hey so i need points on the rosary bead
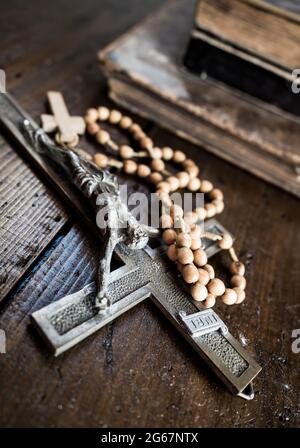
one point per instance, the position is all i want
(226, 242)
(184, 240)
(155, 178)
(101, 160)
(172, 252)
(102, 137)
(206, 186)
(164, 186)
(143, 171)
(166, 222)
(194, 184)
(126, 152)
(196, 243)
(164, 197)
(183, 178)
(115, 116)
(192, 171)
(210, 210)
(179, 157)
(173, 182)
(91, 115)
(176, 211)
(229, 297)
(217, 194)
(135, 128)
(157, 165)
(237, 267)
(169, 236)
(146, 143)
(191, 218)
(216, 287)
(103, 113)
(199, 292)
(190, 273)
(185, 255)
(125, 122)
(195, 231)
(92, 128)
(203, 276)
(167, 153)
(156, 153)
(219, 205)
(200, 257)
(211, 272)
(201, 213)
(241, 295)
(238, 281)
(130, 167)
(210, 301)
(188, 162)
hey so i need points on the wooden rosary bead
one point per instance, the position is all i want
(157, 165)
(185, 255)
(172, 252)
(194, 184)
(91, 115)
(192, 171)
(143, 171)
(190, 273)
(216, 194)
(146, 143)
(210, 210)
(169, 236)
(155, 178)
(102, 137)
(125, 122)
(164, 197)
(93, 128)
(183, 178)
(216, 287)
(103, 113)
(126, 152)
(156, 153)
(183, 240)
(226, 242)
(176, 211)
(180, 267)
(229, 297)
(188, 162)
(238, 281)
(241, 295)
(101, 160)
(200, 257)
(204, 277)
(210, 301)
(173, 182)
(219, 205)
(166, 221)
(196, 244)
(237, 268)
(195, 231)
(115, 116)
(201, 213)
(211, 272)
(199, 292)
(164, 186)
(179, 157)
(135, 128)
(130, 167)
(167, 153)
(191, 218)
(206, 186)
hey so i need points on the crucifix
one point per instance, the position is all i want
(145, 274)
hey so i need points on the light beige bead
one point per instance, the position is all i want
(238, 281)
(195, 231)
(115, 116)
(184, 240)
(164, 186)
(126, 152)
(176, 211)
(210, 301)
(172, 252)
(203, 276)
(200, 258)
(190, 273)
(199, 292)
(139, 135)
(194, 184)
(196, 243)
(219, 206)
(241, 295)
(174, 183)
(206, 186)
(102, 137)
(156, 153)
(216, 194)
(183, 178)
(229, 297)
(193, 171)
(135, 128)
(201, 213)
(146, 143)
(157, 165)
(101, 160)
(237, 267)
(143, 171)
(103, 113)
(226, 242)
(92, 115)
(191, 218)
(216, 287)
(155, 178)
(179, 157)
(169, 236)
(166, 222)
(210, 271)
(164, 197)
(93, 128)
(167, 153)
(210, 210)
(188, 162)
(185, 255)
(130, 167)
(125, 122)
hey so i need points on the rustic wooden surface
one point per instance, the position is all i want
(137, 371)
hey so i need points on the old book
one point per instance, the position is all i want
(146, 75)
(264, 32)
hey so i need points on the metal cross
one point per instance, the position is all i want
(145, 273)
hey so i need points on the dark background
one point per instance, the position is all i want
(137, 371)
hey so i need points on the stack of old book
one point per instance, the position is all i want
(220, 73)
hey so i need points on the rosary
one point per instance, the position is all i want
(180, 232)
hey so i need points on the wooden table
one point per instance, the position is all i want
(137, 371)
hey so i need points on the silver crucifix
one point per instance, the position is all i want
(145, 273)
